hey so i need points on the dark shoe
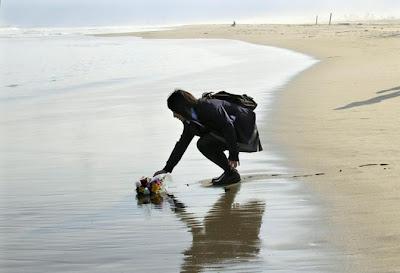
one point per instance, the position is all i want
(217, 179)
(228, 177)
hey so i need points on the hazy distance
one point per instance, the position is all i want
(64, 13)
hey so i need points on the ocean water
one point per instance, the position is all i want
(83, 117)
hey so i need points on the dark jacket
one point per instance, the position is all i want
(231, 123)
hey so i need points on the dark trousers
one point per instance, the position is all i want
(213, 149)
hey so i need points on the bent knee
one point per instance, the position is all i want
(201, 144)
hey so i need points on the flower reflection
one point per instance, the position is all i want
(155, 199)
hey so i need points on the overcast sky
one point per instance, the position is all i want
(145, 12)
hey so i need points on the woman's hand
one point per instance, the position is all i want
(159, 172)
(233, 164)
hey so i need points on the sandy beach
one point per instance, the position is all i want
(77, 135)
(339, 118)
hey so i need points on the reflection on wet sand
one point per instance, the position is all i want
(229, 232)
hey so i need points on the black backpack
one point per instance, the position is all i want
(241, 100)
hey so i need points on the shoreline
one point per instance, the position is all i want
(80, 156)
(339, 117)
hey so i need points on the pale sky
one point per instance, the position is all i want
(155, 12)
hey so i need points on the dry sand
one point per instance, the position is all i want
(334, 118)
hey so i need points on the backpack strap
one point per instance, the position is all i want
(242, 100)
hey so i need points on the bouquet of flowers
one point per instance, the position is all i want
(150, 186)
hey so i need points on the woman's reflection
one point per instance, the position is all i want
(229, 231)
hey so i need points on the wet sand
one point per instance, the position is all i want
(259, 225)
(70, 158)
(340, 117)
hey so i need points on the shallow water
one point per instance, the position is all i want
(71, 150)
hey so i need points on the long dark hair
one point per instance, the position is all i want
(181, 102)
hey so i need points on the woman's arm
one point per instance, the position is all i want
(179, 149)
